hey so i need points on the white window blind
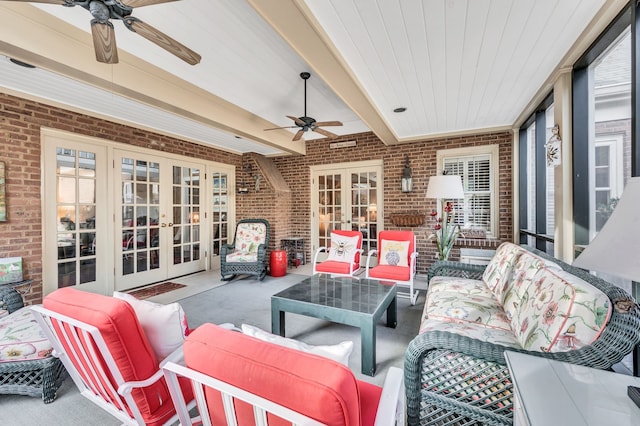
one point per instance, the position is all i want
(476, 173)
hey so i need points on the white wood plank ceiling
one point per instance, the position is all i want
(457, 66)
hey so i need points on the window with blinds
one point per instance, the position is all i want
(476, 167)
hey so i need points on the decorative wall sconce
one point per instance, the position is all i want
(244, 189)
(248, 169)
(553, 147)
(407, 178)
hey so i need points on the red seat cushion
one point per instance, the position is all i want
(390, 272)
(315, 386)
(117, 322)
(333, 267)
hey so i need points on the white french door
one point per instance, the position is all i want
(346, 196)
(158, 219)
(75, 214)
(116, 219)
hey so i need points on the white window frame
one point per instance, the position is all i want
(462, 154)
(616, 180)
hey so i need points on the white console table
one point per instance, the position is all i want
(550, 392)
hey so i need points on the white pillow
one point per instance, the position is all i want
(339, 352)
(342, 248)
(394, 253)
(164, 325)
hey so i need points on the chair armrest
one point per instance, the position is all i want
(391, 405)
(373, 252)
(127, 387)
(10, 299)
(455, 269)
(320, 250)
(177, 357)
(226, 248)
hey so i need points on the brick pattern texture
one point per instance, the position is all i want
(287, 210)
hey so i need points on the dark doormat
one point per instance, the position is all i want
(156, 289)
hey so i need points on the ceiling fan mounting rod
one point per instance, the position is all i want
(305, 76)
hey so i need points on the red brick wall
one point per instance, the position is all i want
(422, 156)
(20, 123)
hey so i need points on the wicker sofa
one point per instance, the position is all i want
(524, 300)
(33, 377)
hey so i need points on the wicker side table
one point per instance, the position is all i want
(38, 377)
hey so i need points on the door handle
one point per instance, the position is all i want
(163, 225)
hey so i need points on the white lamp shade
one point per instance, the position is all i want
(615, 250)
(445, 186)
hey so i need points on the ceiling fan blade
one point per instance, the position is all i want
(104, 42)
(325, 132)
(43, 1)
(328, 123)
(286, 127)
(140, 3)
(297, 120)
(161, 39)
(298, 135)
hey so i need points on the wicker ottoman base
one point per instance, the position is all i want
(41, 377)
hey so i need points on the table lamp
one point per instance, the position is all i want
(445, 187)
(615, 250)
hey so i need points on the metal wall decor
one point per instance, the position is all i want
(553, 147)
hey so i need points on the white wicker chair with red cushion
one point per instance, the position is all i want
(344, 254)
(106, 352)
(257, 382)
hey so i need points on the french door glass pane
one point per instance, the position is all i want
(140, 215)
(364, 207)
(186, 214)
(76, 216)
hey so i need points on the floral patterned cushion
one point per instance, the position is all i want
(464, 301)
(471, 330)
(558, 312)
(21, 338)
(249, 235)
(526, 267)
(498, 271)
(240, 256)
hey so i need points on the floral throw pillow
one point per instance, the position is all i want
(394, 253)
(343, 249)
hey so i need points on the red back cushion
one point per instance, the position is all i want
(117, 322)
(310, 384)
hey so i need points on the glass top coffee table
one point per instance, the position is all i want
(344, 300)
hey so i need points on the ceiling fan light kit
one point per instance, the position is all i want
(103, 33)
(306, 123)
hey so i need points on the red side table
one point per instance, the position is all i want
(278, 263)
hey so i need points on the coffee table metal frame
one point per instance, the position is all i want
(333, 304)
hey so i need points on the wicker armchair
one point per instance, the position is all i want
(456, 380)
(39, 377)
(248, 252)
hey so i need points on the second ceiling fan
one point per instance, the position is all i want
(308, 123)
